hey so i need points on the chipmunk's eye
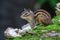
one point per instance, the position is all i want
(27, 14)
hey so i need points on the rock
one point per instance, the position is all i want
(51, 34)
(11, 32)
(58, 34)
(27, 28)
(21, 32)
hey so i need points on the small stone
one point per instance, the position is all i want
(44, 30)
(58, 20)
(53, 31)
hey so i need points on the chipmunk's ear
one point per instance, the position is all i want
(30, 11)
(25, 10)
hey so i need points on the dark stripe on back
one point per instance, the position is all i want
(43, 12)
(39, 14)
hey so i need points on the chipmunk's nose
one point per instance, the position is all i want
(21, 16)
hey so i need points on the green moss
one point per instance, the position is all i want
(37, 32)
(55, 20)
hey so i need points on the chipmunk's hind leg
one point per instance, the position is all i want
(46, 24)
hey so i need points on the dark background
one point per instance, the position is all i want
(10, 13)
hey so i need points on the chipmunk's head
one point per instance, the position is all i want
(26, 14)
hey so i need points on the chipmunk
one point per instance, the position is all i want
(33, 18)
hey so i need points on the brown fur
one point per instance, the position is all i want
(46, 17)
